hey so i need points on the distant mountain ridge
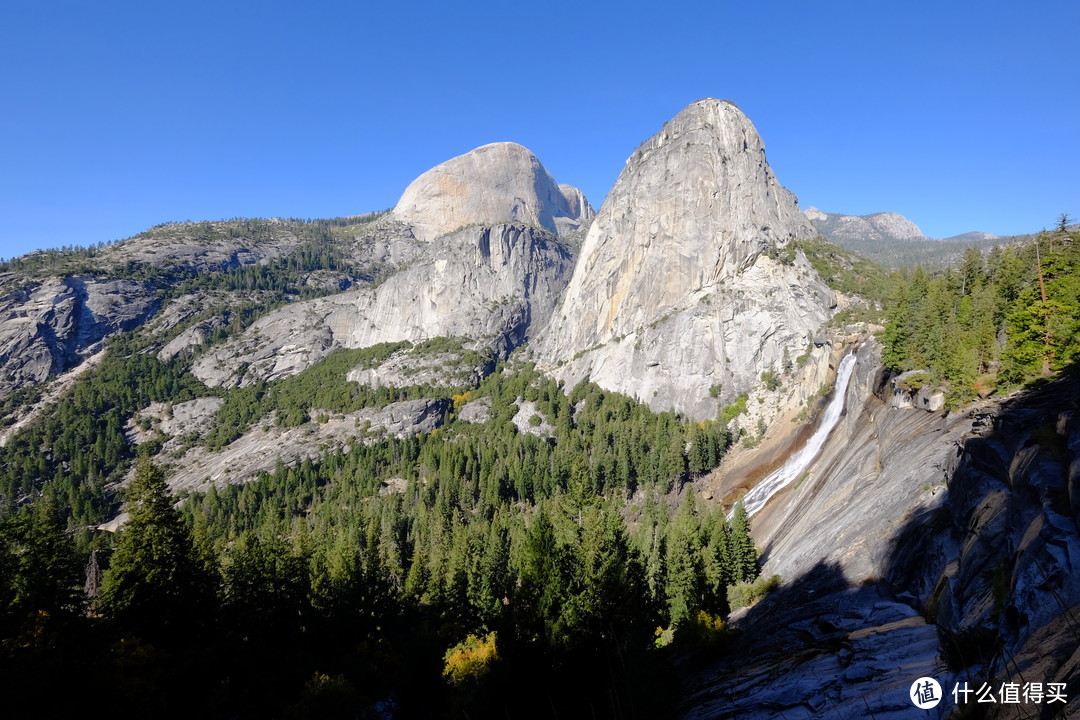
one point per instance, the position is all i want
(970, 237)
(878, 226)
(890, 239)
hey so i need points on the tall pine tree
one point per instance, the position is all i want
(155, 585)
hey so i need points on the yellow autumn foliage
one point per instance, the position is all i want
(470, 659)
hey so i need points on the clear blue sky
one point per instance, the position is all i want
(115, 116)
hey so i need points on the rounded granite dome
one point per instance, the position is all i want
(498, 183)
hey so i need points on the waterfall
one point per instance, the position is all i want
(757, 497)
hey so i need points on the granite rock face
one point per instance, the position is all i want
(911, 532)
(500, 183)
(477, 411)
(489, 266)
(908, 390)
(48, 326)
(685, 280)
(264, 446)
(172, 422)
(883, 226)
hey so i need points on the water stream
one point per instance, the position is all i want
(799, 461)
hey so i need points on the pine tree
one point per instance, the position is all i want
(154, 584)
(47, 571)
(685, 574)
(744, 556)
(266, 586)
(542, 586)
(610, 576)
(489, 584)
(686, 583)
(716, 560)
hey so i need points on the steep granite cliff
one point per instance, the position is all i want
(49, 325)
(686, 280)
(919, 544)
(494, 184)
(487, 265)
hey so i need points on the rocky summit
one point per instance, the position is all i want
(494, 184)
(892, 240)
(882, 226)
(478, 256)
(688, 279)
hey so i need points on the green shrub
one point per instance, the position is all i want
(732, 411)
(745, 594)
(801, 360)
(913, 382)
(771, 379)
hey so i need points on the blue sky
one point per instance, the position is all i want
(115, 116)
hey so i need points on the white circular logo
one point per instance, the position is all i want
(925, 693)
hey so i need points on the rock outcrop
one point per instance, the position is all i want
(500, 183)
(438, 369)
(173, 423)
(48, 326)
(477, 411)
(913, 389)
(855, 231)
(878, 227)
(919, 544)
(491, 269)
(264, 446)
(686, 280)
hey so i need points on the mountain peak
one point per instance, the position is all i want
(718, 124)
(708, 110)
(672, 257)
(877, 227)
(696, 202)
(502, 182)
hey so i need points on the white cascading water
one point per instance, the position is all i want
(759, 495)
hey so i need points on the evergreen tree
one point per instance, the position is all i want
(154, 584)
(610, 578)
(685, 567)
(716, 560)
(542, 585)
(266, 585)
(685, 574)
(46, 572)
(744, 557)
(489, 585)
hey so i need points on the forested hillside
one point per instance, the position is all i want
(992, 323)
(541, 540)
(422, 574)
